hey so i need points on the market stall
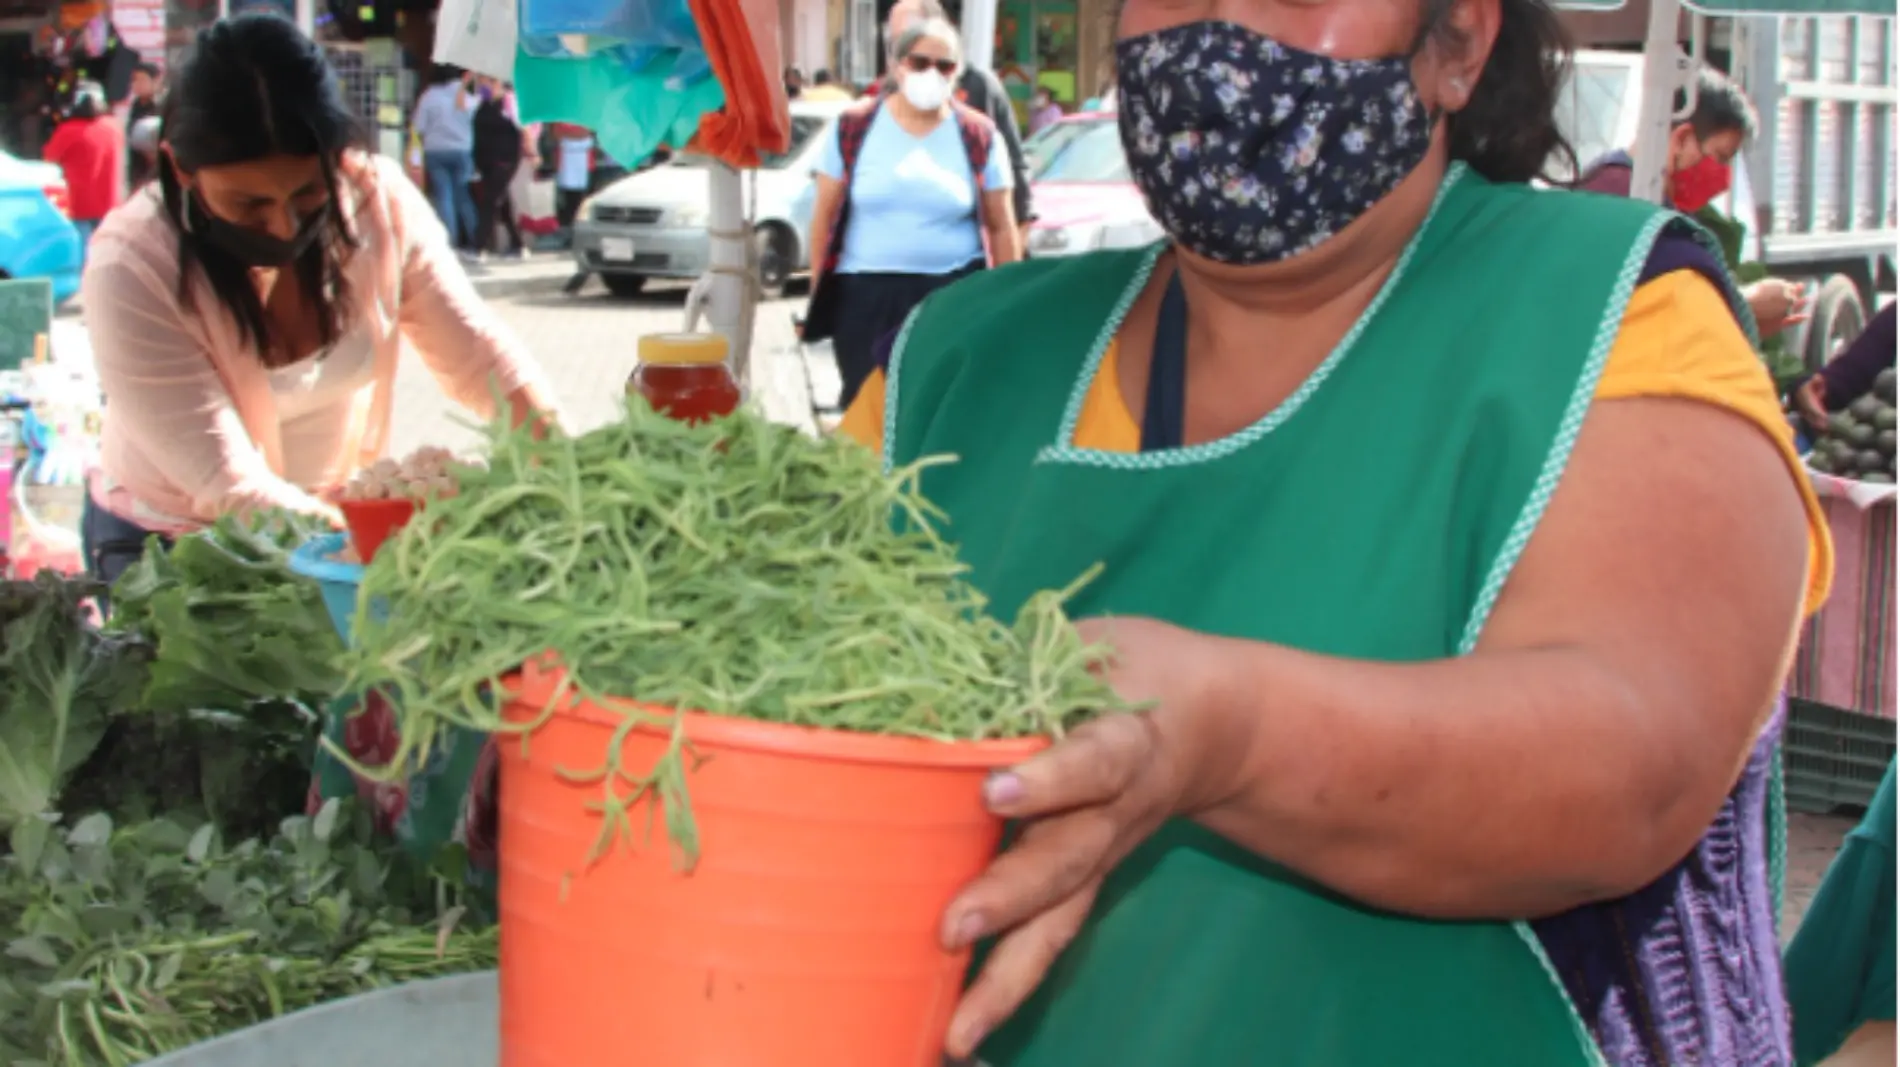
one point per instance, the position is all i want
(189, 875)
(1841, 727)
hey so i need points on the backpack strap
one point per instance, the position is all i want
(979, 137)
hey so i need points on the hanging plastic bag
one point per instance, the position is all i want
(478, 35)
(606, 21)
(741, 40)
(631, 112)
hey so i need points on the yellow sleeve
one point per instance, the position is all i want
(863, 421)
(1679, 339)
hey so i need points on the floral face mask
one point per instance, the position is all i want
(1249, 151)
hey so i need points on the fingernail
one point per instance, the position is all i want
(968, 929)
(971, 1035)
(1002, 789)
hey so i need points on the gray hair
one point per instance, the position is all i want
(936, 29)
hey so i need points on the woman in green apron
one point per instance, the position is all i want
(1451, 530)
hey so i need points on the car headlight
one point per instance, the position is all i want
(687, 217)
(586, 210)
(1065, 240)
(1048, 240)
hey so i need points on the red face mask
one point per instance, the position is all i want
(1695, 185)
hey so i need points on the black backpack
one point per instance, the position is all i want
(497, 138)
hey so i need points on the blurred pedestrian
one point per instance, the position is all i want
(498, 149)
(445, 121)
(144, 106)
(89, 148)
(824, 89)
(1043, 110)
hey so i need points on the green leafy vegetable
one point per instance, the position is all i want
(736, 567)
(126, 943)
(61, 681)
(232, 623)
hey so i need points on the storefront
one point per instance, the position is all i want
(1066, 45)
(1041, 42)
(47, 49)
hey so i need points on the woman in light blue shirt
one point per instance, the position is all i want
(445, 123)
(913, 193)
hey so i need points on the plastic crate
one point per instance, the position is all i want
(1832, 758)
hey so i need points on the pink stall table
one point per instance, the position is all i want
(1846, 657)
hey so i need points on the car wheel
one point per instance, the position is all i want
(773, 246)
(624, 285)
(1837, 319)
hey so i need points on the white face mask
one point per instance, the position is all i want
(926, 90)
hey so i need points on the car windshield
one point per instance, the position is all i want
(1092, 154)
(804, 128)
(1046, 142)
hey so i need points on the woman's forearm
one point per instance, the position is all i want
(1006, 244)
(1499, 785)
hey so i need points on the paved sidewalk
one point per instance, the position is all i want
(499, 279)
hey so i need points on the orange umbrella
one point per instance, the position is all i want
(741, 40)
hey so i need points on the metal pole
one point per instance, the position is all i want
(1661, 77)
(731, 282)
(979, 33)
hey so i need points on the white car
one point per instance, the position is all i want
(653, 224)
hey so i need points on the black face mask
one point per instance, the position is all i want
(253, 248)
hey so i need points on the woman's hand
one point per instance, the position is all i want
(1088, 801)
(1810, 399)
(1777, 304)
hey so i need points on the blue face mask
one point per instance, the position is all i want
(1249, 151)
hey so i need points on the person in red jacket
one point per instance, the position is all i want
(89, 148)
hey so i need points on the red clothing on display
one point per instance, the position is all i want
(91, 153)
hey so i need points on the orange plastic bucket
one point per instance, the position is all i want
(371, 522)
(805, 936)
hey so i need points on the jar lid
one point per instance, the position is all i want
(693, 349)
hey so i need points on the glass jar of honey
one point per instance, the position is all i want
(684, 376)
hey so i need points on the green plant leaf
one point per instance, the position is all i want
(199, 849)
(324, 826)
(93, 831)
(28, 840)
(34, 950)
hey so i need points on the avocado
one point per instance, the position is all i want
(1819, 460)
(1883, 385)
(1860, 435)
(1884, 418)
(1883, 444)
(1870, 461)
(1864, 409)
(1841, 453)
(1878, 478)
(1839, 423)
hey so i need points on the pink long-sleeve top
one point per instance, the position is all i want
(192, 427)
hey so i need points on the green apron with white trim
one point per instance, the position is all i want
(1376, 514)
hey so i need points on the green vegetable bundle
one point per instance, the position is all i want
(61, 683)
(129, 943)
(737, 567)
(231, 621)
